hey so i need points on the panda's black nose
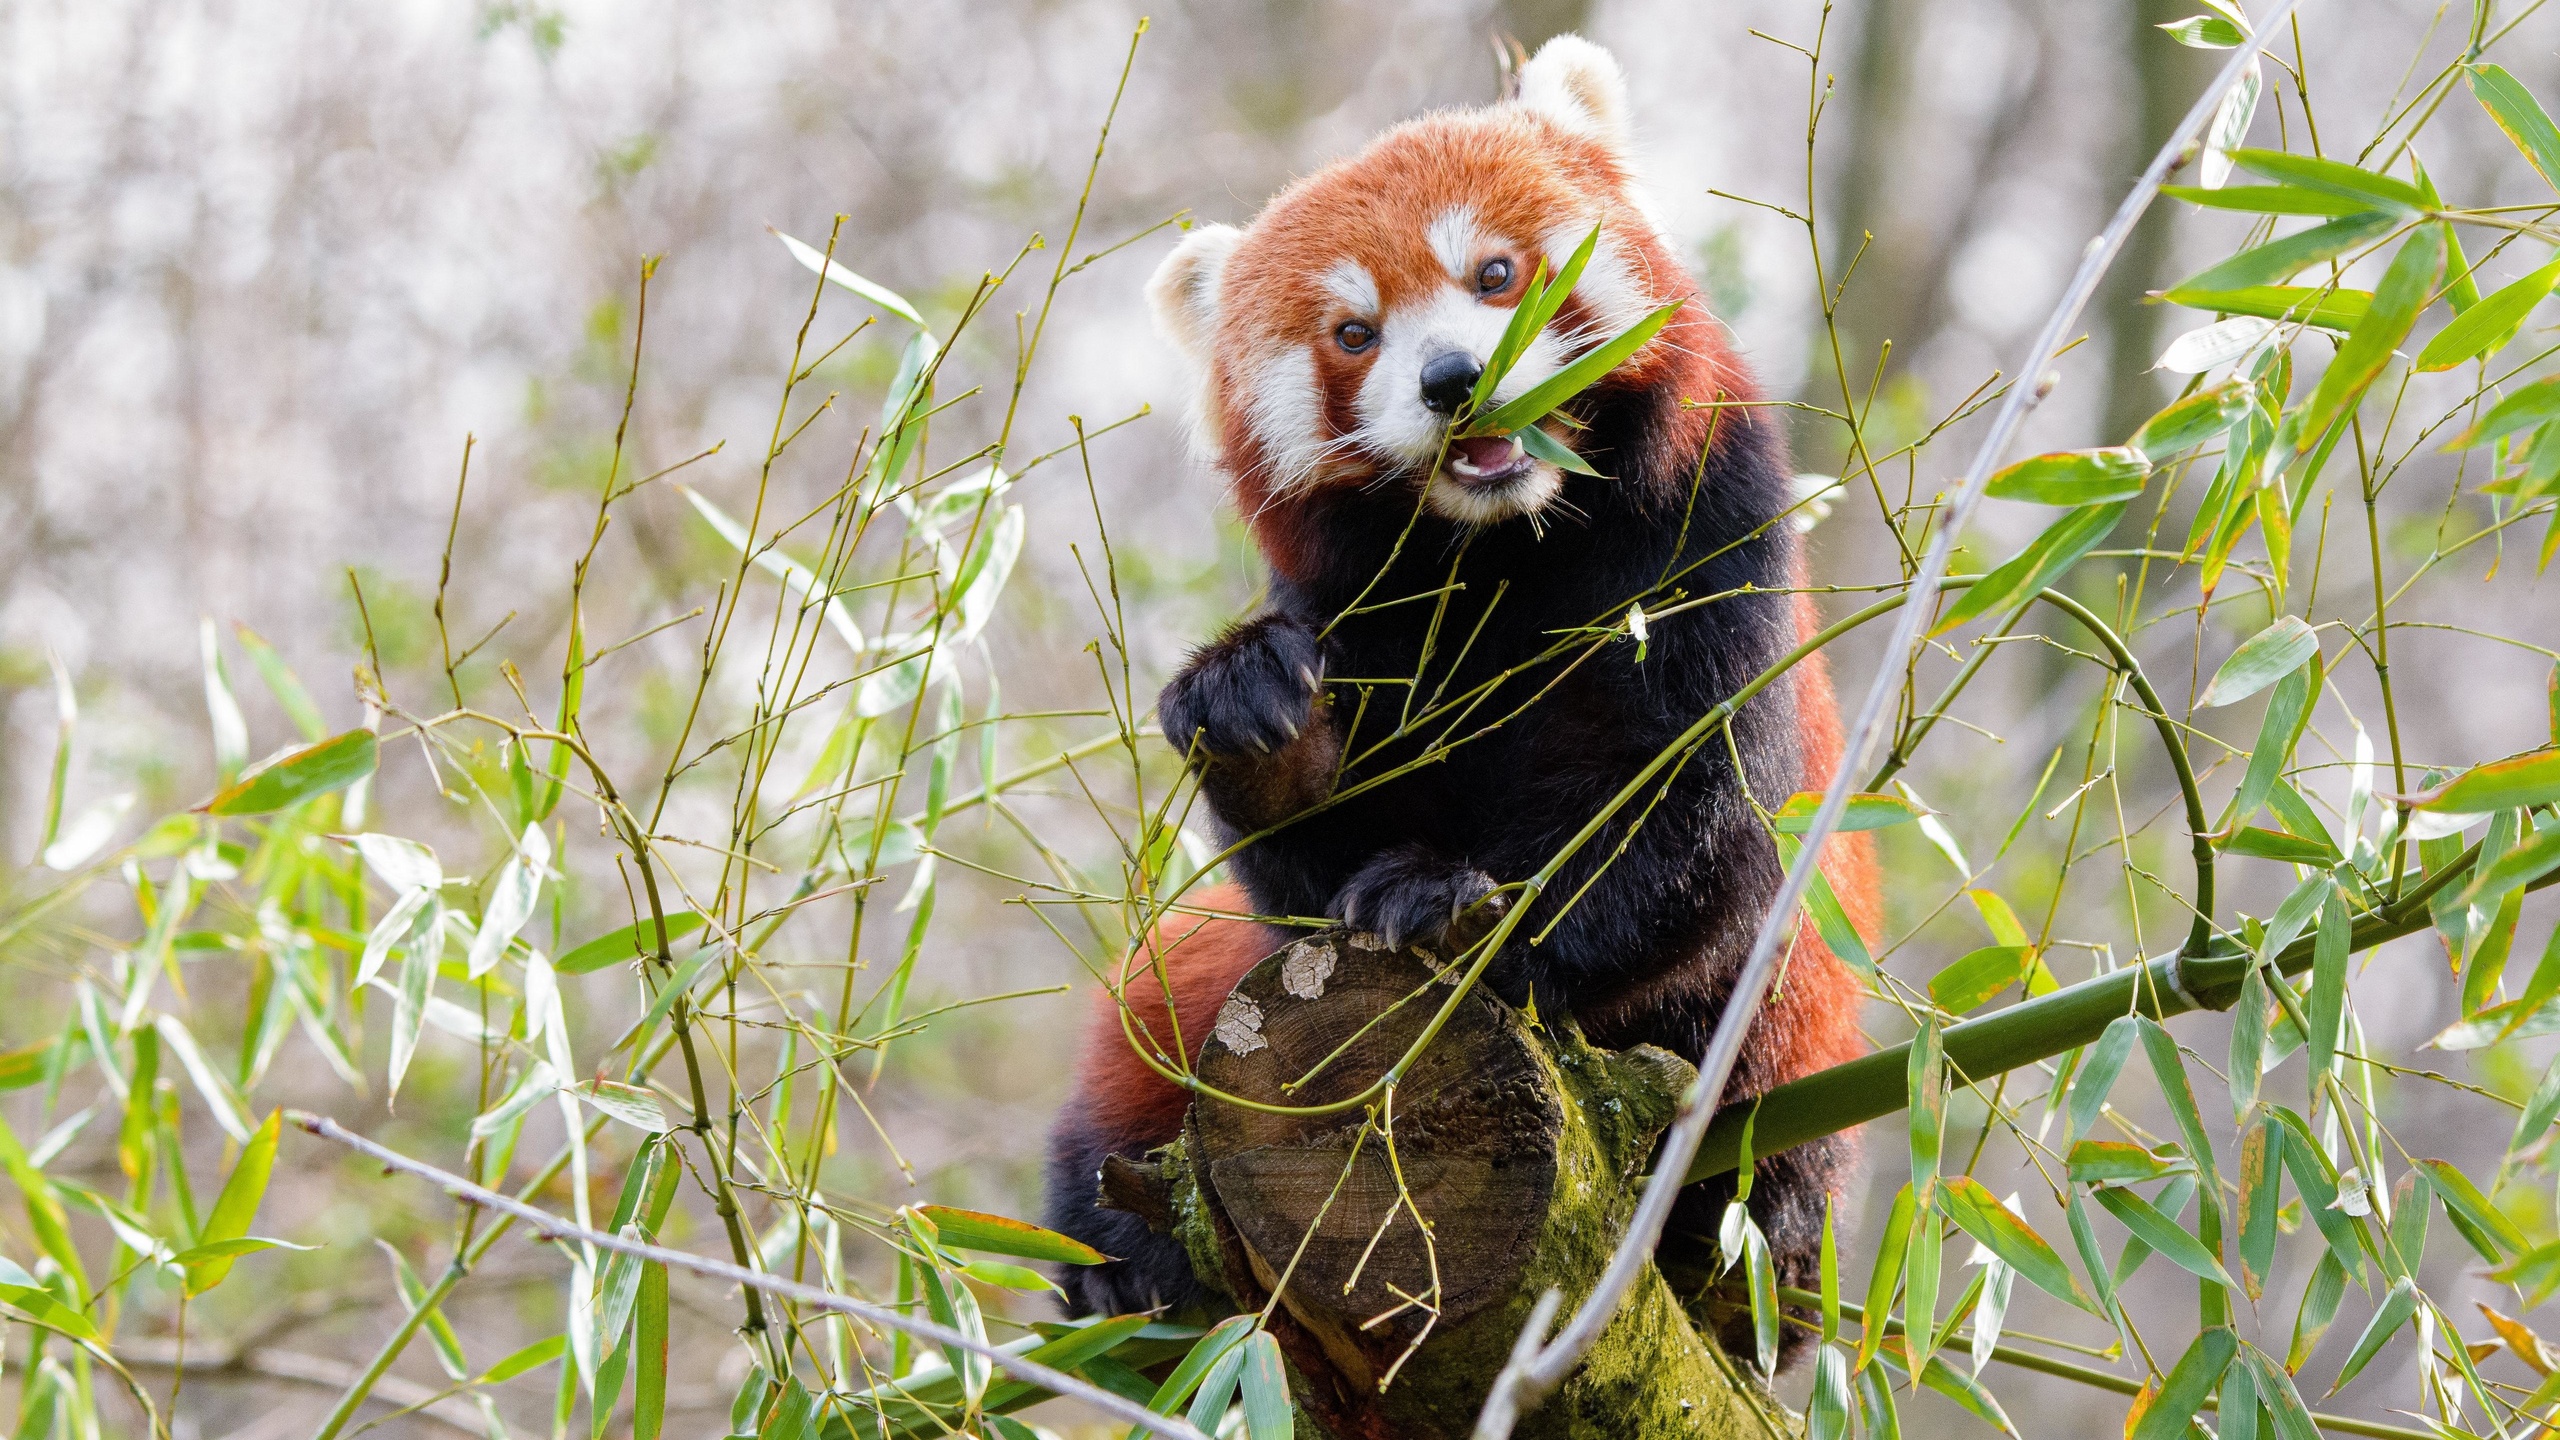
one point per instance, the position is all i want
(1447, 380)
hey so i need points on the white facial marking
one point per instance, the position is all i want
(1609, 287)
(1393, 420)
(1457, 238)
(1350, 282)
(1286, 414)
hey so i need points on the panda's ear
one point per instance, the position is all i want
(1579, 86)
(1184, 291)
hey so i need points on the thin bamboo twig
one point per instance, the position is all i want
(1055, 1381)
(1522, 1385)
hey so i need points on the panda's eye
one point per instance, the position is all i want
(1493, 276)
(1355, 336)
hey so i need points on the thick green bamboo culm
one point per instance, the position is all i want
(1876, 1085)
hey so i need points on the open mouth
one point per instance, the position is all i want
(1483, 462)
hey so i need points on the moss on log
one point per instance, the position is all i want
(1518, 1148)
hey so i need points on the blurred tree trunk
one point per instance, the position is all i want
(2163, 77)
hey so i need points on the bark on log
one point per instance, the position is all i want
(1519, 1148)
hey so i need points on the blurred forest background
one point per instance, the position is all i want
(263, 268)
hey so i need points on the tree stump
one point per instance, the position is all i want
(1408, 1240)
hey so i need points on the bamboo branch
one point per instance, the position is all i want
(1055, 1381)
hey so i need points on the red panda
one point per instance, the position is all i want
(1418, 588)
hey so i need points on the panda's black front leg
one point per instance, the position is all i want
(1248, 712)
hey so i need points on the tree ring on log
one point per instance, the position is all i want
(1474, 1135)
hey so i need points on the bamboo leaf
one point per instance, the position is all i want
(649, 1347)
(2318, 1185)
(1826, 1410)
(1205, 1353)
(2404, 290)
(2001, 1231)
(2248, 1043)
(1573, 379)
(2288, 710)
(2204, 32)
(880, 295)
(2203, 416)
(1926, 1082)
(2170, 1068)
(299, 775)
(2521, 116)
(997, 1235)
(2187, 1386)
(2334, 177)
(2279, 260)
(2040, 564)
(2328, 985)
(2207, 346)
(2464, 1202)
(2516, 868)
(1267, 1413)
(2322, 307)
(1963, 1389)
(2260, 661)
(2260, 843)
(2397, 1306)
(237, 1206)
(2261, 1191)
(2485, 328)
(2164, 1235)
(1979, 975)
(2311, 1320)
(1217, 1389)
(2119, 1162)
(621, 947)
(1892, 1251)
(2523, 408)
(2074, 477)
(2510, 784)
(2543, 1106)
(1867, 811)
(2269, 199)
(1543, 446)
(2098, 1073)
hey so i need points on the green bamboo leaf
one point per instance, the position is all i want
(282, 683)
(39, 1306)
(794, 1416)
(2536, 1272)
(2268, 199)
(2485, 328)
(953, 1305)
(2186, 1387)
(1217, 1389)
(1573, 379)
(1221, 1341)
(2074, 477)
(1543, 446)
(532, 1357)
(2238, 1415)
(2463, 1202)
(2328, 983)
(413, 1294)
(2406, 287)
(1544, 295)
(2521, 866)
(1267, 1412)
(2411, 1201)
(2524, 408)
(2280, 260)
(2397, 1306)
(2000, 1230)
(1920, 1277)
(2318, 1185)
(2260, 843)
(1867, 811)
(2511, 784)
(1826, 1410)
(1876, 1416)
(1830, 1275)
(997, 1235)
(2322, 307)
(2098, 1074)
(2261, 660)
(2288, 711)
(1926, 1082)
(2039, 565)
(2120, 1162)
(2164, 1235)
(1963, 1389)
(237, 1205)
(1892, 1250)
(2319, 1309)
(2543, 1106)
(1978, 975)
(2204, 32)
(880, 295)
(314, 770)
(2200, 417)
(2521, 116)
(2335, 177)
(621, 947)
(2261, 1190)
(1761, 1273)
(2248, 1043)
(2170, 1068)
